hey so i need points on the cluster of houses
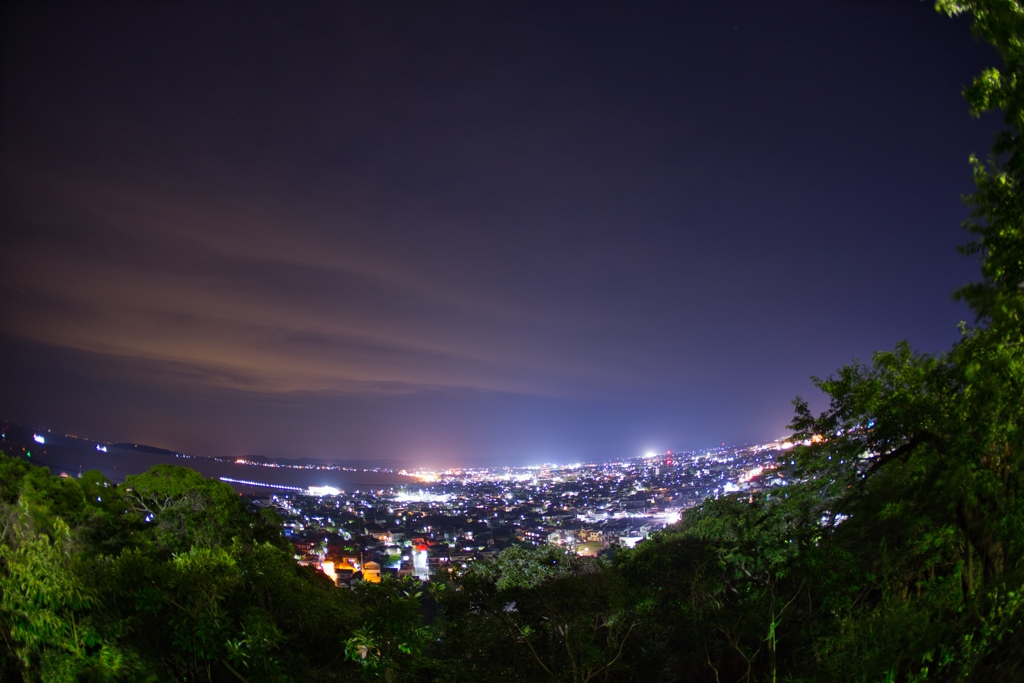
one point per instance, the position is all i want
(448, 525)
(348, 548)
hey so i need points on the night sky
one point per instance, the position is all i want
(471, 232)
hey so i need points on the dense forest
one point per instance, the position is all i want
(894, 555)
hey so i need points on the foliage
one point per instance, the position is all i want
(565, 615)
(725, 582)
(392, 636)
(46, 611)
(926, 454)
(165, 577)
(184, 508)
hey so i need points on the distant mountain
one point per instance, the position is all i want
(22, 435)
(145, 449)
(70, 454)
(390, 464)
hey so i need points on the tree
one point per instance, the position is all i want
(532, 614)
(184, 509)
(938, 442)
(392, 636)
(91, 591)
(45, 609)
(725, 583)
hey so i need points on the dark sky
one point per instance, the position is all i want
(471, 232)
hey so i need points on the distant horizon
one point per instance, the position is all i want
(393, 464)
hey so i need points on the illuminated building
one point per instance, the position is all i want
(371, 572)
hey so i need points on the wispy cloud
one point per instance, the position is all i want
(236, 297)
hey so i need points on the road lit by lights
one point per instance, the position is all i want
(262, 484)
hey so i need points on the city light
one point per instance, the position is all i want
(421, 497)
(323, 491)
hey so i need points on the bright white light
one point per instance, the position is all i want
(650, 454)
(323, 491)
(38, 438)
(422, 497)
(751, 473)
(101, 448)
